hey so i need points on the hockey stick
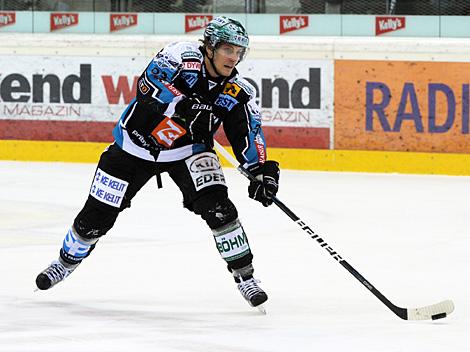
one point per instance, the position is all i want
(434, 311)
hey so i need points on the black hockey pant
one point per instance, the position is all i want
(119, 176)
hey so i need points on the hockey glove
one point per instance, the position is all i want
(266, 185)
(198, 119)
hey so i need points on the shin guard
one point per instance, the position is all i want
(76, 248)
(232, 244)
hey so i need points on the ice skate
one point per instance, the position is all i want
(53, 274)
(253, 294)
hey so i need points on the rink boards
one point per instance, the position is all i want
(347, 104)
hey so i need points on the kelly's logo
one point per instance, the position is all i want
(63, 20)
(388, 24)
(7, 18)
(195, 22)
(122, 21)
(292, 23)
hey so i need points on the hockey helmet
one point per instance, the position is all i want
(225, 30)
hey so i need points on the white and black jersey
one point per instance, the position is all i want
(176, 72)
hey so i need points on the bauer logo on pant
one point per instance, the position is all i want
(108, 189)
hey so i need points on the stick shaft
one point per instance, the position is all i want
(401, 312)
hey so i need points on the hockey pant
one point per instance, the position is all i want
(118, 178)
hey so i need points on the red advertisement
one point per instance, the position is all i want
(63, 20)
(292, 23)
(387, 24)
(7, 18)
(122, 21)
(195, 22)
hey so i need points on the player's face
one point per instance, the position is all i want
(226, 57)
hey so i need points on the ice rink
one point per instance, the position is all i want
(156, 281)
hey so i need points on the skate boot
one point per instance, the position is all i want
(248, 287)
(250, 290)
(53, 274)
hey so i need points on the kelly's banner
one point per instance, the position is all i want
(402, 106)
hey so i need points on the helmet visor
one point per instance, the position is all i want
(232, 51)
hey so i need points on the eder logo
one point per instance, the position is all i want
(63, 20)
(386, 24)
(292, 23)
(195, 22)
(167, 132)
(7, 18)
(122, 21)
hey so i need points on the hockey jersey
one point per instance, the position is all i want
(176, 72)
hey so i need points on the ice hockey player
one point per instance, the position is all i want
(186, 92)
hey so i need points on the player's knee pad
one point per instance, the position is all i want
(216, 209)
(93, 221)
(75, 248)
(232, 243)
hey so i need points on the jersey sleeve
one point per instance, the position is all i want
(155, 87)
(244, 132)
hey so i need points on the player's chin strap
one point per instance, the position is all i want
(435, 311)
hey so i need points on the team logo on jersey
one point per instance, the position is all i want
(226, 101)
(144, 89)
(231, 89)
(190, 78)
(167, 132)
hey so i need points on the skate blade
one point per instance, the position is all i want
(261, 308)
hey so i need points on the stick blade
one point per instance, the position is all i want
(436, 311)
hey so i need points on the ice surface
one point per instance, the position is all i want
(157, 283)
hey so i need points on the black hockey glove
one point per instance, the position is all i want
(266, 185)
(197, 118)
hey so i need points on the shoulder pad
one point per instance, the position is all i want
(246, 86)
(179, 51)
(240, 89)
